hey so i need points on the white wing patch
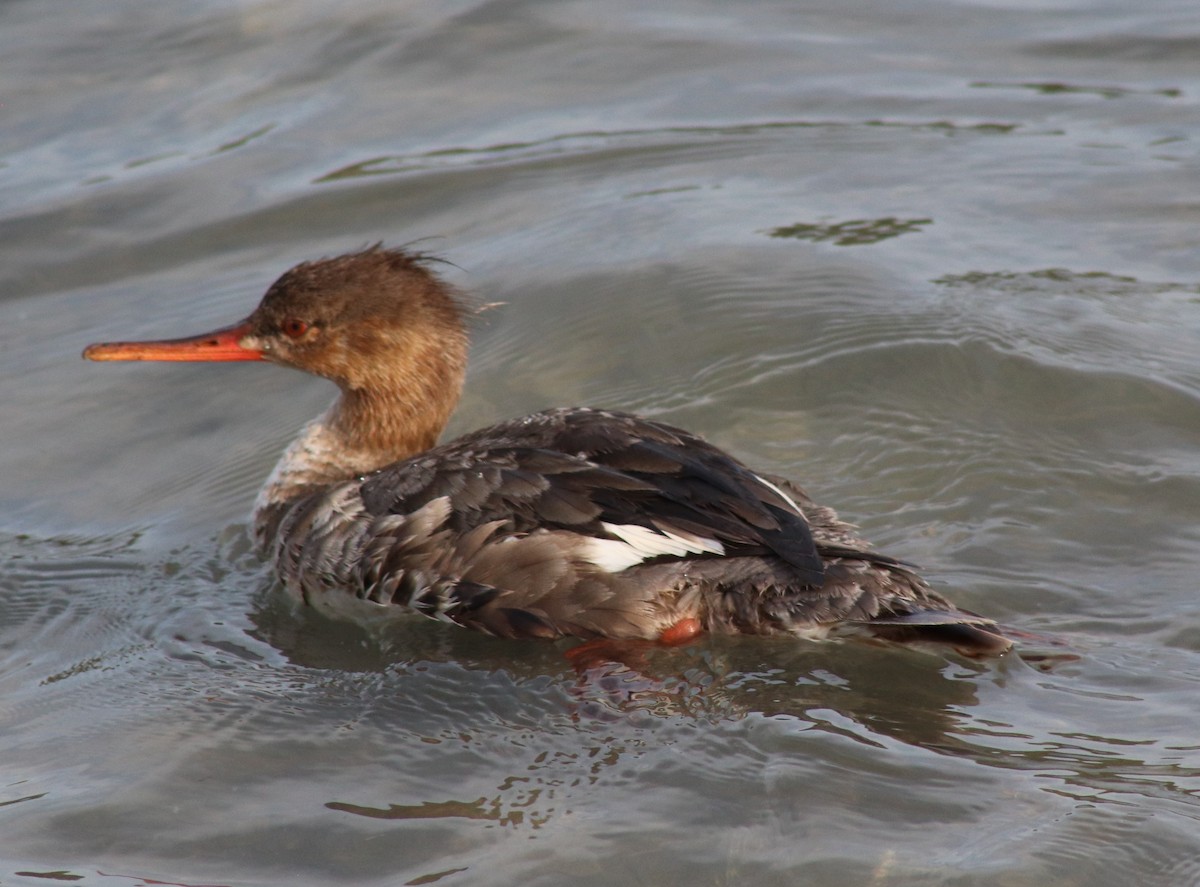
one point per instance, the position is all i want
(636, 544)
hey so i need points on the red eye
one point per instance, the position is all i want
(294, 327)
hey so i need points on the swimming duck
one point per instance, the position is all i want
(577, 522)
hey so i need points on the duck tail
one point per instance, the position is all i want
(968, 634)
(975, 639)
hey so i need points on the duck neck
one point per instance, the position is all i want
(360, 433)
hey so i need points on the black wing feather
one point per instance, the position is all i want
(576, 469)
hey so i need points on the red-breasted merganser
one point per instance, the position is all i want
(570, 522)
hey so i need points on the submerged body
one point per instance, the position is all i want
(570, 522)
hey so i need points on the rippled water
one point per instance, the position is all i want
(938, 261)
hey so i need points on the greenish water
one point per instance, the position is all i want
(937, 261)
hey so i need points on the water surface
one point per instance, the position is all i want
(936, 260)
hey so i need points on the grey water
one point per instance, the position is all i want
(937, 260)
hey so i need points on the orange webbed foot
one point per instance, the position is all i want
(631, 652)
